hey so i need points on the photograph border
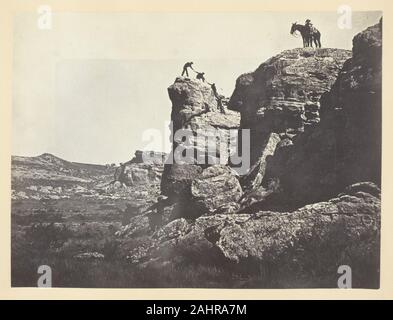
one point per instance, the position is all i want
(12, 7)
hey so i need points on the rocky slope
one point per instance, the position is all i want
(311, 199)
(265, 234)
(48, 176)
(52, 178)
(67, 214)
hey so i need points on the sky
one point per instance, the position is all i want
(88, 88)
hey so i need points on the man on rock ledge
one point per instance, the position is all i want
(218, 97)
(185, 68)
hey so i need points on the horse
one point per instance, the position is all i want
(308, 35)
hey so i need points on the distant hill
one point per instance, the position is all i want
(48, 170)
(48, 176)
(47, 160)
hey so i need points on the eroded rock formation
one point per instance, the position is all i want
(312, 194)
(345, 147)
(195, 111)
(266, 235)
(140, 169)
(282, 97)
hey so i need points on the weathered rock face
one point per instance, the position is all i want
(346, 147)
(282, 96)
(215, 187)
(311, 199)
(195, 111)
(356, 99)
(141, 170)
(269, 236)
(254, 178)
(192, 98)
(194, 108)
(140, 174)
(177, 178)
(283, 93)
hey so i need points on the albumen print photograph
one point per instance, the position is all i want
(196, 149)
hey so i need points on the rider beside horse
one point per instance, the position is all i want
(309, 33)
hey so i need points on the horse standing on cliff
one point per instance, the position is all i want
(308, 35)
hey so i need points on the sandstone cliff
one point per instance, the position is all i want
(311, 199)
(195, 110)
(346, 147)
(282, 97)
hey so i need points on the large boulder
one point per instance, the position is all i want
(266, 235)
(215, 187)
(177, 178)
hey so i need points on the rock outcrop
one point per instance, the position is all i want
(141, 170)
(177, 179)
(194, 107)
(283, 93)
(195, 113)
(215, 187)
(345, 147)
(267, 235)
(282, 97)
(311, 199)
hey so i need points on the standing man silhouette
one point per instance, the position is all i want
(185, 69)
